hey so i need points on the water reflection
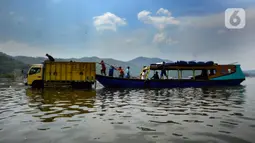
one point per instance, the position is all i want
(56, 103)
(124, 115)
(183, 109)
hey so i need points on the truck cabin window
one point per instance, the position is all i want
(34, 71)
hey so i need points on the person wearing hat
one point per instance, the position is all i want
(128, 72)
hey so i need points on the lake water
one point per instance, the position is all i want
(224, 115)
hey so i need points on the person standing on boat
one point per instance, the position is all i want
(128, 72)
(121, 72)
(142, 71)
(143, 74)
(103, 69)
(163, 71)
(111, 71)
(155, 76)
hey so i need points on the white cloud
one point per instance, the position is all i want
(171, 41)
(162, 38)
(198, 37)
(159, 38)
(163, 11)
(208, 39)
(108, 21)
(160, 21)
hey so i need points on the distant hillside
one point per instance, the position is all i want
(35, 60)
(30, 60)
(141, 61)
(9, 64)
(135, 64)
(249, 73)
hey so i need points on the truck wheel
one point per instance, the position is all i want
(37, 84)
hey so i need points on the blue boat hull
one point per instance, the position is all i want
(114, 82)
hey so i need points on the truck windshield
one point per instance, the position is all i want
(34, 71)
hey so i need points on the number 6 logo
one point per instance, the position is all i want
(235, 18)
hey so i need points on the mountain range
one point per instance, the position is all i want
(10, 63)
(22, 62)
(249, 73)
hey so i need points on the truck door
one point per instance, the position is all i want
(35, 73)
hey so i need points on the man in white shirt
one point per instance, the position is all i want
(143, 74)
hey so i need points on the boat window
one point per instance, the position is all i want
(34, 70)
(229, 70)
(186, 74)
(223, 71)
(197, 73)
(201, 74)
(233, 69)
(172, 74)
(211, 72)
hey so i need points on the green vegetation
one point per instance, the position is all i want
(8, 65)
(10, 75)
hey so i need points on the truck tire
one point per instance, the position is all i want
(37, 84)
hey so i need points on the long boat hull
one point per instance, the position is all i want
(115, 82)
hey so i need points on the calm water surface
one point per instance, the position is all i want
(191, 115)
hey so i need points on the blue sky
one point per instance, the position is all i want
(172, 29)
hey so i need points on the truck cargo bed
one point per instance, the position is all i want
(69, 72)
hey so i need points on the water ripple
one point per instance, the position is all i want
(108, 115)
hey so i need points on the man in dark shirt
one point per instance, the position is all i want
(155, 76)
(50, 57)
(163, 71)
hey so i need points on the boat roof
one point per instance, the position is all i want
(184, 65)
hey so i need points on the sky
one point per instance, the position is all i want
(126, 29)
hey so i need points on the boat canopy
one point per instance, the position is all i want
(182, 65)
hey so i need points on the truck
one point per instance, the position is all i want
(53, 74)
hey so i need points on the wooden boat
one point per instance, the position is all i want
(211, 75)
